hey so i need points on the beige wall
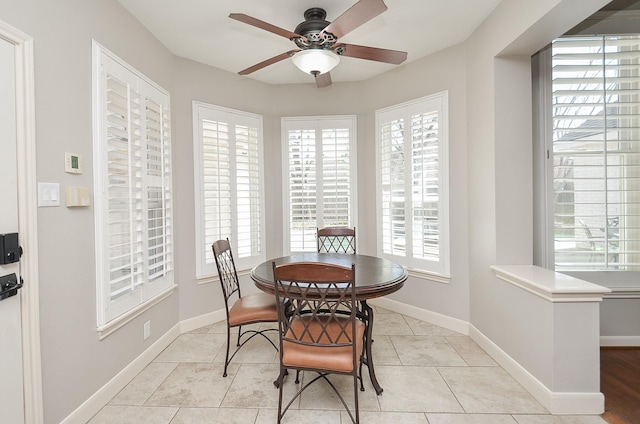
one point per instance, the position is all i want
(75, 364)
(487, 125)
(446, 70)
(443, 71)
(500, 176)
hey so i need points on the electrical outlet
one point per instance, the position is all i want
(147, 329)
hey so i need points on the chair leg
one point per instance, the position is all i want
(355, 397)
(226, 358)
(239, 334)
(280, 380)
(252, 334)
(280, 389)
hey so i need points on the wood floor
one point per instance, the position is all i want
(620, 384)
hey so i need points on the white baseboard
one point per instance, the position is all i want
(194, 323)
(435, 318)
(102, 397)
(555, 402)
(107, 392)
(620, 341)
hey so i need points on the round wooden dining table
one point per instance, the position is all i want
(374, 277)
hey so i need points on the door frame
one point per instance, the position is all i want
(27, 220)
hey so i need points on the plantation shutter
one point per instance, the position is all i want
(336, 181)
(393, 210)
(216, 191)
(158, 187)
(302, 182)
(125, 196)
(248, 191)
(134, 243)
(319, 177)
(228, 172)
(596, 153)
(413, 180)
(425, 184)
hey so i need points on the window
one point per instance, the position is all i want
(228, 173)
(595, 145)
(413, 182)
(133, 195)
(319, 177)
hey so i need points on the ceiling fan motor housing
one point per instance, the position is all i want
(311, 30)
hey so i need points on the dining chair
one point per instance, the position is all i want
(319, 330)
(241, 310)
(336, 240)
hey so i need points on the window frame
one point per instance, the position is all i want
(205, 263)
(317, 123)
(111, 314)
(438, 269)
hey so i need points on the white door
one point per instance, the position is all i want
(11, 381)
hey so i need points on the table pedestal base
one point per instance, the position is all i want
(367, 357)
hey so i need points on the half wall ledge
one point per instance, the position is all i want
(550, 285)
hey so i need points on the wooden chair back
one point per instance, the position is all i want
(336, 240)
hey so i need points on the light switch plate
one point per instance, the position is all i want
(72, 163)
(48, 194)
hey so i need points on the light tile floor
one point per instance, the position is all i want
(429, 375)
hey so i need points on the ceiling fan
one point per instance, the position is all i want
(317, 40)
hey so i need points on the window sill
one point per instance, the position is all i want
(115, 324)
(206, 279)
(213, 278)
(430, 276)
(623, 293)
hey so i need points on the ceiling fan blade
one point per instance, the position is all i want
(323, 80)
(395, 57)
(361, 12)
(275, 59)
(264, 25)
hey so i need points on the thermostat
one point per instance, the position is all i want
(72, 163)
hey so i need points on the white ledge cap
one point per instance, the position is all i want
(550, 285)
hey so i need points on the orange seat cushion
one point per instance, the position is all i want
(255, 307)
(327, 358)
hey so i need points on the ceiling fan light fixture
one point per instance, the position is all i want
(315, 61)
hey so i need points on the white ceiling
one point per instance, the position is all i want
(201, 30)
